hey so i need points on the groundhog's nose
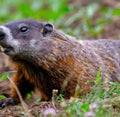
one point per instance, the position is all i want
(2, 34)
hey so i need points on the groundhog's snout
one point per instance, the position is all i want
(2, 34)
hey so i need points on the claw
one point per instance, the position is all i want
(8, 101)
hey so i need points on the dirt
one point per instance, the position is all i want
(110, 31)
(34, 108)
(17, 111)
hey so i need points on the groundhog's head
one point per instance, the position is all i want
(25, 37)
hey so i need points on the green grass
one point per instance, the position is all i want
(50, 10)
(105, 101)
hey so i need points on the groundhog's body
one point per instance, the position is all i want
(45, 59)
(70, 62)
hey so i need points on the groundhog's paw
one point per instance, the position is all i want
(7, 101)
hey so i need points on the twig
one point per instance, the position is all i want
(21, 99)
(54, 95)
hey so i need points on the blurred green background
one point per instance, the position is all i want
(80, 18)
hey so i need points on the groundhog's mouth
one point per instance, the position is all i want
(6, 49)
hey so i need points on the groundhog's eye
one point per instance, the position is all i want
(24, 29)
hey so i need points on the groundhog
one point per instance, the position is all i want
(45, 59)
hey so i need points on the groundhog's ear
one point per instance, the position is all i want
(47, 29)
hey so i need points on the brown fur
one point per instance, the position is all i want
(4, 63)
(61, 62)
